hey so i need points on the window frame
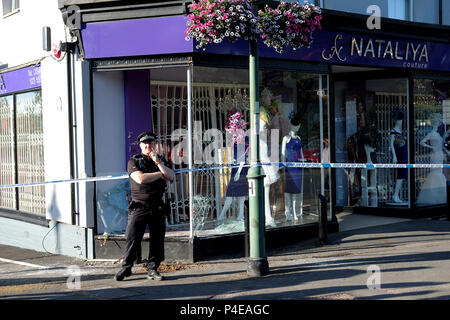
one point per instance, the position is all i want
(5, 211)
(15, 7)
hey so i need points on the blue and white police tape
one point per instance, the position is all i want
(88, 179)
(278, 164)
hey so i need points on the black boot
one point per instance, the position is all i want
(125, 272)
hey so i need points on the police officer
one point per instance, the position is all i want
(148, 175)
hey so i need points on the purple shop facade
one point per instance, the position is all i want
(22, 79)
(165, 36)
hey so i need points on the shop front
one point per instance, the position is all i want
(392, 119)
(348, 98)
(22, 141)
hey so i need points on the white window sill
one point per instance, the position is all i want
(11, 13)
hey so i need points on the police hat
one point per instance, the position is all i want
(146, 137)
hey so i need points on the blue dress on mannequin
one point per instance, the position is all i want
(238, 188)
(293, 176)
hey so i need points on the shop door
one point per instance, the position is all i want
(372, 127)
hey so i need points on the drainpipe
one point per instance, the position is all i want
(74, 213)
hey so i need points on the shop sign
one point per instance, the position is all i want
(2, 83)
(353, 49)
(378, 51)
(124, 39)
(20, 79)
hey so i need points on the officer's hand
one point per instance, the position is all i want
(153, 156)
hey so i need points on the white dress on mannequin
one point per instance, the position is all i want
(270, 172)
(433, 190)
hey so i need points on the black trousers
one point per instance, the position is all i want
(138, 219)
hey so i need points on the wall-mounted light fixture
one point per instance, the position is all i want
(46, 39)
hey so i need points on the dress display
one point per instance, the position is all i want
(293, 175)
(401, 152)
(238, 188)
(433, 189)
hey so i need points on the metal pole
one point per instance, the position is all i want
(190, 151)
(323, 220)
(257, 264)
(448, 200)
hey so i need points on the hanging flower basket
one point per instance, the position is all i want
(212, 21)
(289, 25)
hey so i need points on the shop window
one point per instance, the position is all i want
(426, 11)
(30, 151)
(446, 13)
(314, 2)
(22, 152)
(359, 7)
(399, 9)
(137, 101)
(169, 114)
(7, 163)
(432, 139)
(219, 195)
(294, 126)
(371, 127)
(10, 6)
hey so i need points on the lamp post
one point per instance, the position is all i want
(199, 27)
(257, 264)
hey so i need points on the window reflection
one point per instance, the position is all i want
(432, 131)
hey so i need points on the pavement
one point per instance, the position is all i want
(385, 259)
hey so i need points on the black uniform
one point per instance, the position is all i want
(146, 208)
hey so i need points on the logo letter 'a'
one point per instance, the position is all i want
(374, 280)
(2, 83)
(374, 20)
(74, 279)
(73, 17)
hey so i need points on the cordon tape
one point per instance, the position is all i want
(280, 164)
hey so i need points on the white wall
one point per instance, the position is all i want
(56, 139)
(21, 42)
(21, 32)
(83, 141)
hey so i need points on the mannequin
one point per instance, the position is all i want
(369, 149)
(270, 171)
(433, 189)
(291, 151)
(447, 151)
(399, 150)
(238, 185)
(369, 191)
(369, 137)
